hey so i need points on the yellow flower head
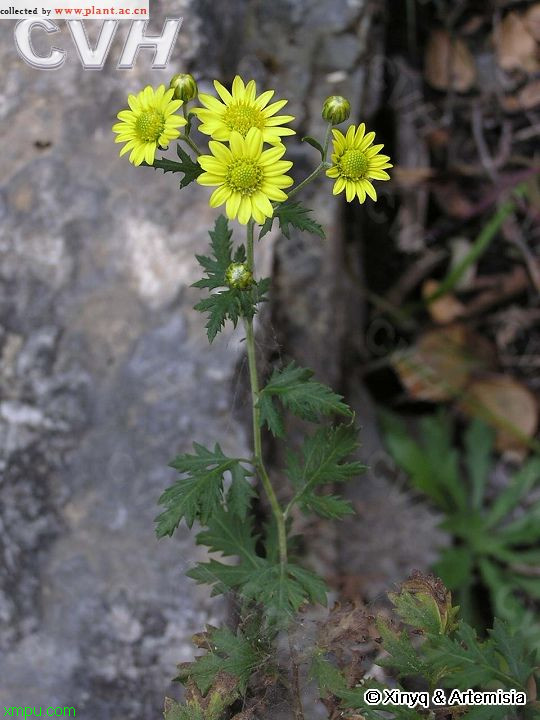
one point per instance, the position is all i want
(241, 111)
(150, 122)
(247, 177)
(356, 162)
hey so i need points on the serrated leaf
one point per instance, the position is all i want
(328, 677)
(189, 167)
(216, 266)
(322, 459)
(403, 658)
(231, 305)
(512, 646)
(198, 495)
(226, 535)
(240, 493)
(433, 465)
(327, 506)
(227, 652)
(292, 213)
(294, 387)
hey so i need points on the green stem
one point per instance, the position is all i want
(191, 144)
(256, 416)
(318, 170)
(327, 141)
(478, 248)
(323, 165)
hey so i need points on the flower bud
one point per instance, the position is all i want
(239, 276)
(185, 87)
(336, 109)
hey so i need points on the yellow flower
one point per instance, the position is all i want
(241, 111)
(247, 177)
(356, 162)
(150, 122)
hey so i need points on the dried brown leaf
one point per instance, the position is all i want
(448, 63)
(442, 362)
(516, 48)
(532, 21)
(444, 310)
(506, 404)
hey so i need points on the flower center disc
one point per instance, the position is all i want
(242, 117)
(244, 177)
(354, 164)
(149, 125)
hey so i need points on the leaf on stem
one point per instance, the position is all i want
(322, 460)
(189, 167)
(298, 392)
(231, 303)
(295, 214)
(281, 590)
(198, 495)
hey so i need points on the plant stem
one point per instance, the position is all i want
(191, 144)
(323, 165)
(256, 414)
(318, 170)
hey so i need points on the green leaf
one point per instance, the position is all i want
(432, 466)
(227, 652)
(314, 143)
(226, 535)
(189, 167)
(479, 441)
(512, 646)
(323, 459)
(328, 506)
(327, 676)
(403, 656)
(240, 493)
(231, 305)
(296, 390)
(198, 495)
(455, 567)
(518, 487)
(216, 266)
(292, 213)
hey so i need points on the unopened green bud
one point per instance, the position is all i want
(185, 87)
(239, 276)
(336, 109)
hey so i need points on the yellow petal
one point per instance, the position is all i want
(233, 203)
(251, 91)
(274, 108)
(370, 190)
(264, 99)
(224, 94)
(254, 142)
(350, 190)
(339, 185)
(220, 196)
(238, 88)
(244, 211)
(220, 151)
(262, 203)
(268, 157)
(366, 142)
(237, 144)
